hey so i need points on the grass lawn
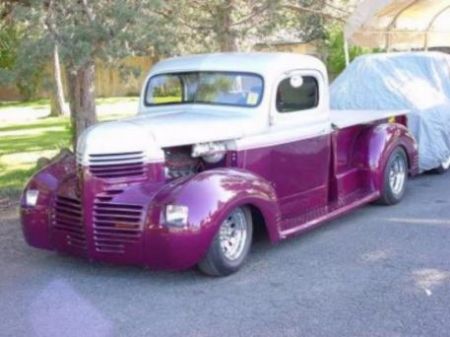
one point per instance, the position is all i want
(26, 135)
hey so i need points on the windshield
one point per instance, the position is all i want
(221, 88)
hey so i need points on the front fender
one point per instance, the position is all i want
(375, 145)
(210, 196)
(35, 220)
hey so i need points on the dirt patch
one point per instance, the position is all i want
(6, 204)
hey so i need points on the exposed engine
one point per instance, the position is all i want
(180, 163)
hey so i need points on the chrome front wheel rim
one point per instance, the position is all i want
(397, 175)
(233, 235)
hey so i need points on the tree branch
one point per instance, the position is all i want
(203, 5)
(254, 12)
(339, 9)
(299, 8)
(48, 7)
(88, 11)
(168, 14)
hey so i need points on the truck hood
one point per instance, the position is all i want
(189, 127)
(150, 133)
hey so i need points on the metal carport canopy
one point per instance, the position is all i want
(400, 24)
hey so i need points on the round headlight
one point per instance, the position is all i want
(31, 197)
(176, 215)
(211, 153)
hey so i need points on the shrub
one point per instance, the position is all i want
(335, 50)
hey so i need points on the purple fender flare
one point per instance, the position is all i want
(210, 197)
(375, 145)
(35, 221)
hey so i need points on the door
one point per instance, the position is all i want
(295, 153)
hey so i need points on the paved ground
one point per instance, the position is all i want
(377, 272)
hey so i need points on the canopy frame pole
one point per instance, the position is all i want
(394, 21)
(430, 25)
(346, 52)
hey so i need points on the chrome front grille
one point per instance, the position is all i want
(68, 219)
(117, 165)
(116, 225)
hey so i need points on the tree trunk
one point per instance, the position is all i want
(226, 34)
(82, 98)
(228, 42)
(58, 103)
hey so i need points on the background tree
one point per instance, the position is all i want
(219, 25)
(8, 48)
(79, 32)
(26, 79)
(58, 106)
(85, 31)
(236, 25)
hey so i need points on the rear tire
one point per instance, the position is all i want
(395, 176)
(231, 245)
(443, 168)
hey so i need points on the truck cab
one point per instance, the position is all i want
(222, 143)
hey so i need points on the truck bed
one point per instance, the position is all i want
(345, 118)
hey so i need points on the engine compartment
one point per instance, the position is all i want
(180, 163)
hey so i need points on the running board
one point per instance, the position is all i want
(326, 213)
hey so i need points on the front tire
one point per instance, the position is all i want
(231, 244)
(395, 176)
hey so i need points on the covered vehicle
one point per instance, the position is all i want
(414, 81)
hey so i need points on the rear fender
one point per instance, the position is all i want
(375, 145)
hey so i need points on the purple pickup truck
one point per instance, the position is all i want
(222, 144)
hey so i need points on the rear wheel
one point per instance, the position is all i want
(231, 244)
(395, 177)
(443, 167)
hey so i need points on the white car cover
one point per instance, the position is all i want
(418, 82)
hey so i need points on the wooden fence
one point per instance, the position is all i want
(109, 82)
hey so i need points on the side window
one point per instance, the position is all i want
(294, 96)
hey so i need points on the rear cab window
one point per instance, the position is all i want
(297, 93)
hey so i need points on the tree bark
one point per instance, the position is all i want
(58, 103)
(82, 98)
(226, 34)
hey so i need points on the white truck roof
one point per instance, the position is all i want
(265, 64)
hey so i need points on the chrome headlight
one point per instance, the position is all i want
(176, 215)
(31, 197)
(211, 153)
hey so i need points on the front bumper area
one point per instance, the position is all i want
(117, 223)
(153, 245)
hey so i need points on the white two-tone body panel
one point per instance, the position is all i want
(158, 127)
(150, 133)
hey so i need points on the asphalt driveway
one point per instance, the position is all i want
(380, 271)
